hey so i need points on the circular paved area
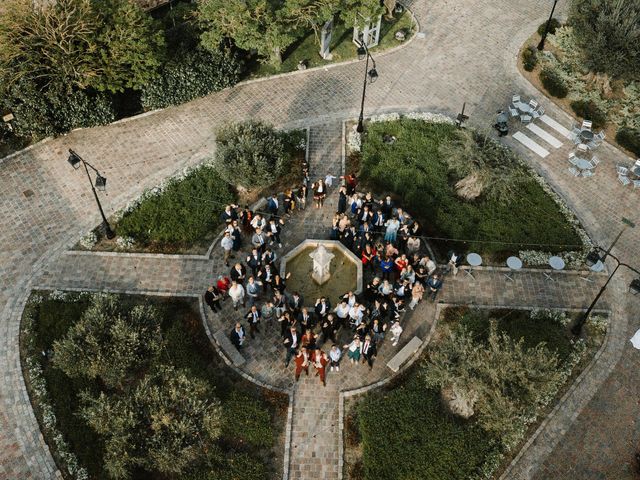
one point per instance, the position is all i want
(468, 54)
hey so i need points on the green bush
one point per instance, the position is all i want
(589, 110)
(424, 180)
(183, 214)
(56, 110)
(529, 58)
(553, 82)
(191, 75)
(553, 25)
(246, 421)
(250, 154)
(407, 434)
(629, 138)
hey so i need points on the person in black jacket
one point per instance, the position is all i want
(238, 336)
(323, 307)
(368, 350)
(253, 316)
(238, 273)
(212, 298)
(254, 261)
(342, 200)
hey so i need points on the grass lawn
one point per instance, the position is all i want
(402, 432)
(424, 186)
(249, 449)
(342, 47)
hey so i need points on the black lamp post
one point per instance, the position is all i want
(595, 257)
(546, 27)
(101, 184)
(370, 75)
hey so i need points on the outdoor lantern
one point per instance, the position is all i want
(74, 161)
(373, 75)
(361, 52)
(101, 183)
(592, 258)
(634, 286)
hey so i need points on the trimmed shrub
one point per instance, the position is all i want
(250, 154)
(553, 82)
(192, 75)
(553, 25)
(56, 110)
(589, 110)
(183, 213)
(529, 58)
(629, 138)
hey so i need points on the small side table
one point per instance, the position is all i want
(557, 264)
(595, 268)
(474, 260)
(514, 264)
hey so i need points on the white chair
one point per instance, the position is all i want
(515, 99)
(636, 184)
(587, 173)
(514, 112)
(586, 125)
(595, 160)
(575, 138)
(600, 136)
(572, 155)
(637, 164)
(574, 171)
(538, 113)
(624, 180)
(526, 118)
(533, 104)
(592, 145)
(622, 170)
(583, 148)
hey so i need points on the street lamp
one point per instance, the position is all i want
(370, 75)
(594, 257)
(546, 27)
(101, 184)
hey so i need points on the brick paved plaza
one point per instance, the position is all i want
(467, 54)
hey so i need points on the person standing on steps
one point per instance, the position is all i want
(238, 336)
(291, 341)
(342, 200)
(253, 290)
(236, 292)
(227, 246)
(212, 298)
(302, 362)
(319, 193)
(334, 355)
(369, 350)
(434, 284)
(253, 318)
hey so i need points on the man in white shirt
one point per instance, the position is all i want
(429, 264)
(227, 244)
(356, 314)
(342, 312)
(236, 292)
(291, 341)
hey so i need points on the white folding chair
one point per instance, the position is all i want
(587, 173)
(600, 136)
(622, 170)
(592, 145)
(624, 180)
(574, 171)
(515, 99)
(583, 148)
(572, 155)
(586, 125)
(595, 160)
(533, 104)
(538, 113)
(636, 184)
(575, 138)
(526, 118)
(637, 164)
(514, 112)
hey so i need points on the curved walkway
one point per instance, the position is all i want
(468, 54)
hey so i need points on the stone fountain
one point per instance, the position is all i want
(321, 263)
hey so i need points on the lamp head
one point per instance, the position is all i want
(373, 75)
(101, 183)
(362, 52)
(73, 160)
(634, 286)
(592, 258)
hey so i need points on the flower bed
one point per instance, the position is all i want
(514, 213)
(404, 431)
(251, 452)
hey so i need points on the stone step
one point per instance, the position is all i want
(403, 355)
(222, 339)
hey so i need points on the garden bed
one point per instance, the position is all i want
(182, 215)
(515, 212)
(77, 448)
(403, 430)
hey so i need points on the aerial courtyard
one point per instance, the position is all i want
(302, 239)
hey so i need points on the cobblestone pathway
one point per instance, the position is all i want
(45, 206)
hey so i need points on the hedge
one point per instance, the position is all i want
(629, 138)
(589, 110)
(529, 58)
(553, 82)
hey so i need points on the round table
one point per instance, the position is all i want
(597, 267)
(556, 263)
(586, 135)
(474, 260)
(515, 264)
(524, 107)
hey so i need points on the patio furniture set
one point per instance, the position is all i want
(629, 175)
(582, 159)
(526, 111)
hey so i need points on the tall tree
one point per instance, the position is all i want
(609, 32)
(310, 14)
(262, 25)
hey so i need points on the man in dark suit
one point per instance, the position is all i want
(291, 342)
(253, 316)
(212, 298)
(323, 307)
(254, 261)
(369, 350)
(238, 336)
(238, 273)
(305, 318)
(296, 302)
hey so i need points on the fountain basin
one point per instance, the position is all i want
(345, 272)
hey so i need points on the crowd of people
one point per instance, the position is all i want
(386, 239)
